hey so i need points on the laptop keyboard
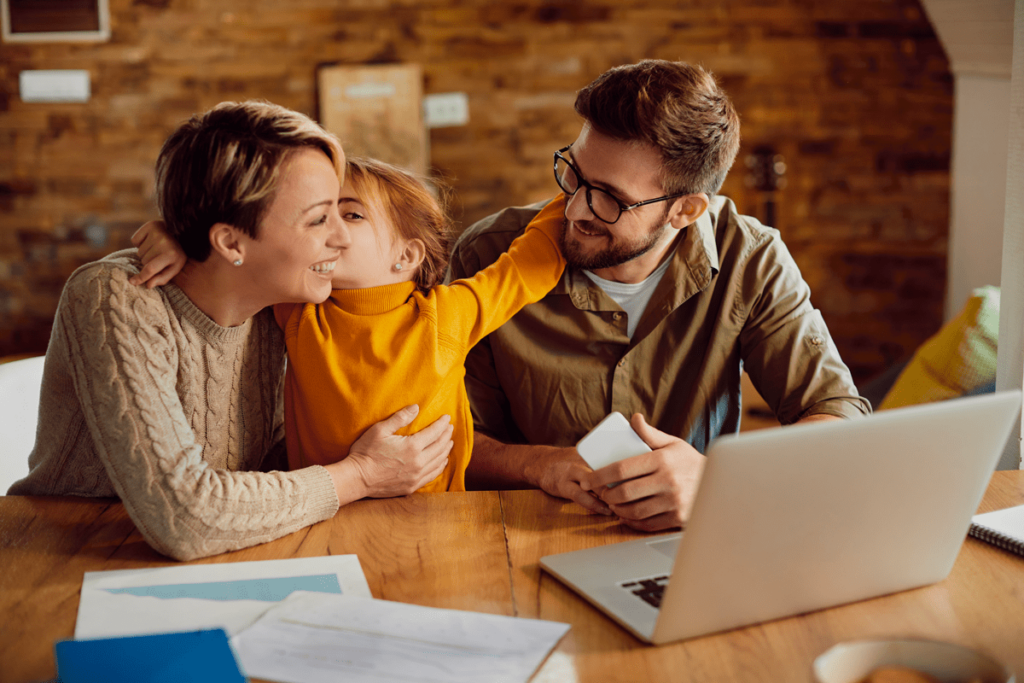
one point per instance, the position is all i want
(649, 590)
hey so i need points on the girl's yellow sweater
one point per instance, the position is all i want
(364, 354)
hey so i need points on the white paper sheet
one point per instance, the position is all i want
(194, 597)
(315, 638)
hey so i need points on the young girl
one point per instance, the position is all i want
(390, 334)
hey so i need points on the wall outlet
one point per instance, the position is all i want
(446, 109)
(70, 85)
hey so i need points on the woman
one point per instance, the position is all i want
(170, 398)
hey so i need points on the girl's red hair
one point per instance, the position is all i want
(406, 201)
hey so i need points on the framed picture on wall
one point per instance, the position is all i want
(376, 111)
(52, 21)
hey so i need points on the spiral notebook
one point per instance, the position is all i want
(1003, 528)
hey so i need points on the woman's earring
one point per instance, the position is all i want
(238, 261)
(398, 266)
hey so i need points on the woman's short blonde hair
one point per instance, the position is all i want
(224, 166)
(407, 202)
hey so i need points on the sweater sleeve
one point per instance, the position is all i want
(472, 308)
(124, 364)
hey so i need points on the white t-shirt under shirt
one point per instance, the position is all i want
(632, 298)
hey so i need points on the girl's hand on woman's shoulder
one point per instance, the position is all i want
(162, 258)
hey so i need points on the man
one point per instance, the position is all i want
(668, 296)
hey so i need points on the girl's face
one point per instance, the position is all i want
(301, 235)
(370, 246)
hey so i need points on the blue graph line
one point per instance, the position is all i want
(267, 590)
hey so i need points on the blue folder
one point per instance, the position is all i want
(189, 657)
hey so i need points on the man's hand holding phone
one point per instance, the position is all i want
(612, 440)
(650, 490)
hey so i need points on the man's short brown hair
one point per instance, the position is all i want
(224, 166)
(675, 107)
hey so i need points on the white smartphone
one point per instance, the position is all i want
(610, 441)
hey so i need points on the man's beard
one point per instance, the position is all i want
(615, 254)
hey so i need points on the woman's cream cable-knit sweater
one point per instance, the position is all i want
(146, 398)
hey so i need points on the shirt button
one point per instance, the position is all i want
(616, 316)
(817, 341)
(621, 362)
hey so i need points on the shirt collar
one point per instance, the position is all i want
(706, 231)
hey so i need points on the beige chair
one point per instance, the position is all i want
(19, 411)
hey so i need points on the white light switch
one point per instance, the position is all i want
(69, 85)
(446, 109)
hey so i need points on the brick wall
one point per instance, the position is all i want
(857, 97)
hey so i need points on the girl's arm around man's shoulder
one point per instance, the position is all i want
(475, 306)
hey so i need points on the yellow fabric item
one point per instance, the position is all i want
(364, 354)
(958, 359)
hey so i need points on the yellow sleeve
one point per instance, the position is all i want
(472, 308)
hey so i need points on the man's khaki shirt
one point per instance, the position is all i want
(731, 300)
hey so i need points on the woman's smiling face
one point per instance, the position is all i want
(299, 238)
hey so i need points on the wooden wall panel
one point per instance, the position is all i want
(376, 111)
(857, 96)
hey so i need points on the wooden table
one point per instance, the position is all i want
(479, 551)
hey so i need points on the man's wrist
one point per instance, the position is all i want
(497, 465)
(542, 470)
(535, 466)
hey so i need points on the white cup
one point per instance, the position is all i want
(853, 661)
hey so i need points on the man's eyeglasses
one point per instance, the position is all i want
(603, 205)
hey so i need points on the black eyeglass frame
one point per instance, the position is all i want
(590, 201)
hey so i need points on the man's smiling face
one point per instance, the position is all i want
(629, 172)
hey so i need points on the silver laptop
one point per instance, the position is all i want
(796, 519)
